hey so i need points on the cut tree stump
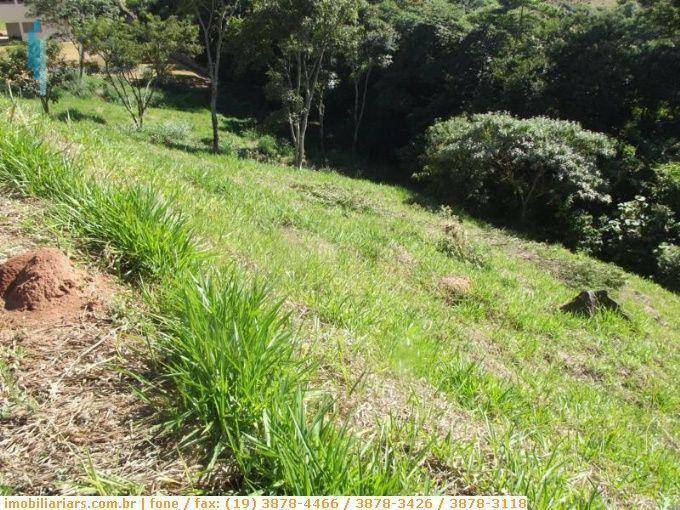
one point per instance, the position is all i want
(589, 302)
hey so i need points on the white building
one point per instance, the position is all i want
(19, 22)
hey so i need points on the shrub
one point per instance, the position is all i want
(268, 149)
(634, 233)
(582, 231)
(585, 273)
(517, 169)
(668, 185)
(88, 86)
(16, 73)
(167, 133)
(456, 244)
(668, 263)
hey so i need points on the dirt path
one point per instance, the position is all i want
(69, 420)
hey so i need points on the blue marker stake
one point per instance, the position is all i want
(37, 57)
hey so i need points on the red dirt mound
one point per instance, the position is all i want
(11, 269)
(38, 280)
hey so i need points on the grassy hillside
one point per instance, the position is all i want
(516, 396)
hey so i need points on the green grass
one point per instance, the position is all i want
(228, 377)
(573, 413)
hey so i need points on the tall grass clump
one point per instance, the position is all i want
(228, 353)
(140, 233)
(230, 375)
(232, 364)
(305, 452)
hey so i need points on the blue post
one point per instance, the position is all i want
(37, 57)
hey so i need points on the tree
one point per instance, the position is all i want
(216, 19)
(371, 44)
(14, 68)
(537, 169)
(166, 38)
(297, 38)
(71, 18)
(136, 53)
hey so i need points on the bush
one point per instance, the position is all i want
(456, 244)
(167, 133)
(669, 265)
(633, 235)
(668, 185)
(517, 169)
(16, 74)
(88, 86)
(268, 149)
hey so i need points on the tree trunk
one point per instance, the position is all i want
(322, 135)
(304, 122)
(322, 118)
(216, 27)
(355, 134)
(359, 109)
(81, 61)
(299, 149)
(140, 109)
(214, 91)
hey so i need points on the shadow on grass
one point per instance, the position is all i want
(238, 126)
(174, 96)
(202, 147)
(79, 116)
(188, 95)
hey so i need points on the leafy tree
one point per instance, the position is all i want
(635, 232)
(216, 19)
(371, 44)
(136, 53)
(664, 14)
(414, 90)
(16, 73)
(165, 38)
(71, 17)
(297, 39)
(668, 265)
(515, 168)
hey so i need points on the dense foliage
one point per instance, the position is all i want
(668, 187)
(613, 70)
(559, 180)
(540, 169)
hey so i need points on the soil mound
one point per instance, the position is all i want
(38, 280)
(11, 269)
(455, 287)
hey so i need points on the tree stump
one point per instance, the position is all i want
(589, 302)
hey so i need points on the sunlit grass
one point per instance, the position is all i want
(230, 378)
(574, 413)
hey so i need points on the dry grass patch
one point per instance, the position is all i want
(70, 421)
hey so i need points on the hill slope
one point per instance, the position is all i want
(566, 410)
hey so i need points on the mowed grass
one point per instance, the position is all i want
(572, 412)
